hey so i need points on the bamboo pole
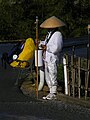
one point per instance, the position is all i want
(79, 79)
(37, 56)
(87, 79)
(73, 75)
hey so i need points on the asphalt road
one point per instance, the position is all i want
(16, 106)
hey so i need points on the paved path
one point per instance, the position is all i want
(16, 106)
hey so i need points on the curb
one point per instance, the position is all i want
(72, 100)
(29, 90)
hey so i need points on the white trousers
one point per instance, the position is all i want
(51, 76)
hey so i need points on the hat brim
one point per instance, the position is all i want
(52, 22)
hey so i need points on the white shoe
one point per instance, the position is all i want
(50, 96)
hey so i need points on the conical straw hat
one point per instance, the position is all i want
(52, 22)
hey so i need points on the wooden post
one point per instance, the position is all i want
(87, 79)
(88, 67)
(73, 75)
(79, 79)
(37, 56)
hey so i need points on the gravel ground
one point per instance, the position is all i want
(14, 105)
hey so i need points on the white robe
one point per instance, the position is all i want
(54, 47)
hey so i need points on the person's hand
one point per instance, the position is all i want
(44, 47)
(37, 42)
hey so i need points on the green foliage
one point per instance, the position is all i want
(17, 17)
(60, 74)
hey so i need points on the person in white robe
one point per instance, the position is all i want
(52, 46)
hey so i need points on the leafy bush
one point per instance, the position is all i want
(60, 74)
